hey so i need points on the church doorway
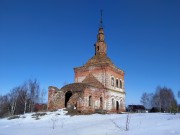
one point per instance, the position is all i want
(67, 97)
(117, 105)
(101, 103)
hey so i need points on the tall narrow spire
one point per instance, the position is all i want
(101, 21)
(100, 36)
(100, 46)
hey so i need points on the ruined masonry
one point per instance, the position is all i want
(98, 85)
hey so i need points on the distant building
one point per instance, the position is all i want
(40, 107)
(136, 108)
(156, 109)
(99, 85)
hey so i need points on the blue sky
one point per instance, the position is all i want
(46, 39)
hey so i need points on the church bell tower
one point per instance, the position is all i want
(100, 46)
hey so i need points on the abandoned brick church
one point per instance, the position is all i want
(98, 85)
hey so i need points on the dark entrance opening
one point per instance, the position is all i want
(67, 97)
(101, 103)
(90, 100)
(117, 105)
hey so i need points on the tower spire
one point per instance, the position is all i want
(100, 46)
(101, 21)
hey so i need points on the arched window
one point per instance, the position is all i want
(112, 81)
(101, 102)
(113, 103)
(97, 48)
(90, 100)
(117, 83)
(120, 82)
(117, 105)
(121, 104)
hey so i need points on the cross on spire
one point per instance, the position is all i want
(101, 21)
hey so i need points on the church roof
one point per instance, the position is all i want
(91, 80)
(101, 59)
(75, 87)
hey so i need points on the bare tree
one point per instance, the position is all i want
(164, 99)
(179, 98)
(43, 93)
(12, 98)
(30, 94)
(146, 100)
(157, 99)
(34, 93)
(4, 106)
(22, 98)
(24, 95)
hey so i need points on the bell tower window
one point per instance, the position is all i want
(112, 81)
(97, 48)
(120, 84)
(117, 83)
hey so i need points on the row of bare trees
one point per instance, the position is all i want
(163, 98)
(21, 99)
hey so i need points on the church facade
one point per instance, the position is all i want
(98, 85)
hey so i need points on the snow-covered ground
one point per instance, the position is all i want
(96, 124)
